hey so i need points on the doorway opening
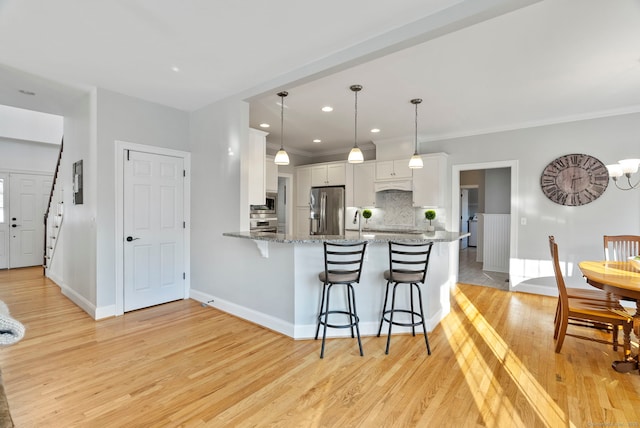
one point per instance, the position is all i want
(285, 204)
(484, 205)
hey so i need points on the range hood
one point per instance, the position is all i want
(381, 186)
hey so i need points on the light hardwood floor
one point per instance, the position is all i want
(182, 364)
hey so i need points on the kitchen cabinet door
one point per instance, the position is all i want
(303, 186)
(333, 174)
(319, 175)
(256, 165)
(302, 221)
(429, 181)
(364, 194)
(270, 175)
(393, 169)
(336, 174)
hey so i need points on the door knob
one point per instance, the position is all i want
(15, 225)
(131, 238)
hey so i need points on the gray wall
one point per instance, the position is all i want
(497, 191)
(124, 118)
(217, 264)
(28, 156)
(578, 230)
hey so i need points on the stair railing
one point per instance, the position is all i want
(46, 214)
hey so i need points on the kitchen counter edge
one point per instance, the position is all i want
(350, 236)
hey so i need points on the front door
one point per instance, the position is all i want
(4, 226)
(28, 196)
(153, 229)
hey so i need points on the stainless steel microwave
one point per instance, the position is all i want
(269, 207)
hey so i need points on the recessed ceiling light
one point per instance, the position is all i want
(264, 125)
(375, 130)
(327, 108)
(317, 140)
(174, 68)
(25, 92)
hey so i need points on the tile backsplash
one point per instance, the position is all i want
(396, 207)
(394, 210)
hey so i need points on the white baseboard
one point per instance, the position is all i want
(300, 332)
(543, 290)
(84, 304)
(239, 311)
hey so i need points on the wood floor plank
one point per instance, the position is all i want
(182, 364)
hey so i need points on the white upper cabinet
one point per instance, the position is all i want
(393, 170)
(429, 182)
(332, 174)
(270, 175)
(303, 186)
(364, 194)
(302, 220)
(256, 166)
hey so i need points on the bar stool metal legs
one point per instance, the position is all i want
(387, 314)
(351, 313)
(343, 265)
(408, 263)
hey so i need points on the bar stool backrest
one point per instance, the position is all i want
(343, 262)
(408, 258)
(619, 248)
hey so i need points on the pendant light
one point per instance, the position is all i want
(355, 155)
(416, 160)
(282, 158)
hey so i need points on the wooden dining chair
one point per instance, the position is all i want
(620, 247)
(582, 293)
(607, 314)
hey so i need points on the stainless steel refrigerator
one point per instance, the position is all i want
(327, 210)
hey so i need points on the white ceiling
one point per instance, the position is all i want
(477, 68)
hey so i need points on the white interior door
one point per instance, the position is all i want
(28, 196)
(4, 226)
(153, 229)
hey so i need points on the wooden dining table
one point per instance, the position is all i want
(623, 280)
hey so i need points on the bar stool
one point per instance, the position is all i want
(408, 263)
(342, 266)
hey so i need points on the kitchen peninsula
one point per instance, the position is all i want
(288, 297)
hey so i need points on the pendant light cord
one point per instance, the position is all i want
(355, 133)
(416, 136)
(415, 102)
(281, 121)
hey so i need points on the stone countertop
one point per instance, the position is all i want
(352, 236)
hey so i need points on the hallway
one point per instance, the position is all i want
(470, 272)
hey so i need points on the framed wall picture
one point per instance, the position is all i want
(77, 183)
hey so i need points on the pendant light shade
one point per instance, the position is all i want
(355, 155)
(282, 158)
(416, 160)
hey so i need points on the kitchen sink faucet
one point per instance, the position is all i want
(358, 218)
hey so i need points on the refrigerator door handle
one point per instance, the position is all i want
(323, 212)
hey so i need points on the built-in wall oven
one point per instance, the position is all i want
(264, 218)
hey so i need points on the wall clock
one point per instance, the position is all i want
(574, 179)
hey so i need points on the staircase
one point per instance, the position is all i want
(53, 216)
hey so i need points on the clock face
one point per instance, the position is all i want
(574, 179)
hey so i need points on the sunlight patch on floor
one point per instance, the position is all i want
(480, 378)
